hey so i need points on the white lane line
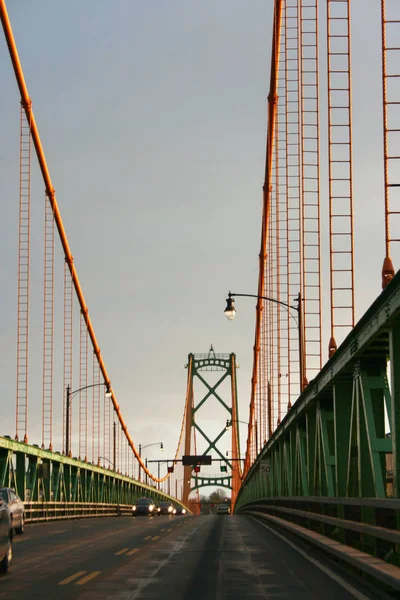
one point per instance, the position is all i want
(347, 586)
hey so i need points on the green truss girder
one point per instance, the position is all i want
(334, 442)
(222, 363)
(224, 482)
(38, 474)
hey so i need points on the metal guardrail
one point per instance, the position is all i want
(363, 532)
(36, 512)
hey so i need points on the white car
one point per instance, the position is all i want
(5, 537)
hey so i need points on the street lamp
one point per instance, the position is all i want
(230, 312)
(161, 444)
(68, 408)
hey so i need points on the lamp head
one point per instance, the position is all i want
(162, 446)
(108, 394)
(230, 308)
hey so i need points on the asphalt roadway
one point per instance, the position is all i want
(188, 558)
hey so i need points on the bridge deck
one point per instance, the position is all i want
(196, 558)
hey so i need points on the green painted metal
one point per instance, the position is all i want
(339, 440)
(41, 475)
(203, 363)
(199, 482)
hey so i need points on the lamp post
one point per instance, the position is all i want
(161, 444)
(68, 409)
(230, 314)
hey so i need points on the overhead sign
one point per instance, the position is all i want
(192, 460)
(264, 467)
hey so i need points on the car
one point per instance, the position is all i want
(223, 509)
(166, 508)
(144, 506)
(16, 507)
(179, 510)
(6, 535)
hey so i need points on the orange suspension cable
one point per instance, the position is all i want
(23, 278)
(48, 327)
(67, 366)
(390, 27)
(341, 225)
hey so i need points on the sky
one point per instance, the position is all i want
(152, 116)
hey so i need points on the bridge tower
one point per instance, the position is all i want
(199, 368)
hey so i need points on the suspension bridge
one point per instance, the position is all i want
(319, 478)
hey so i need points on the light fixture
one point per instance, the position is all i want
(230, 309)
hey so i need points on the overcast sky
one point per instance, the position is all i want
(153, 120)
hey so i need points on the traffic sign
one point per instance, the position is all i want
(193, 460)
(264, 467)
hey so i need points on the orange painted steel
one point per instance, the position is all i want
(390, 28)
(96, 412)
(187, 470)
(341, 226)
(310, 189)
(106, 452)
(23, 278)
(235, 445)
(272, 101)
(48, 327)
(276, 400)
(50, 191)
(68, 337)
(278, 373)
(83, 382)
(293, 187)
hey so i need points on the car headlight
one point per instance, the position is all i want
(170, 509)
(183, 511)
(133, 507)
(174, 511)
(151, 507)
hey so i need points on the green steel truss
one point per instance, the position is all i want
(223, 363)
(339, 440)
(38, 474)
(223, 482)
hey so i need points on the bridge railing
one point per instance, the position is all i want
(53, 511)
(362, 532)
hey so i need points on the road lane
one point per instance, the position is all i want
(225, 558)
(50, 562)
(187, 558)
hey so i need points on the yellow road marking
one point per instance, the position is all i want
(88, 578)
(20, 539)
(147, 538)
(132, 551)
(169, 529)
(121, 551)
(155, 537)
(162, 529)
(71, 578)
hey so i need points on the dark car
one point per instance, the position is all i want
(17, 509)
(223, 509)
(144, 506)
(179, 510)
(5, 537)
(166, 508)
